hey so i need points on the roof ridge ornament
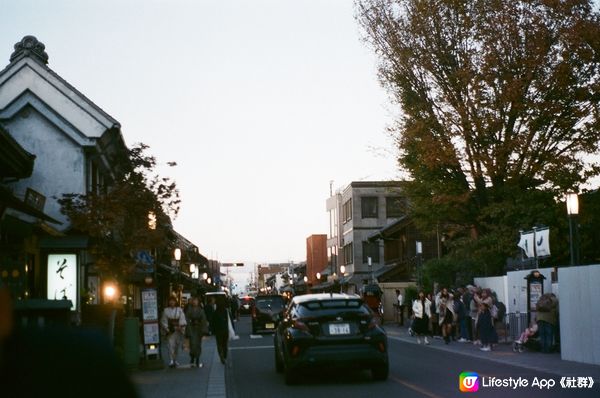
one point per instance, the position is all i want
(30, 46)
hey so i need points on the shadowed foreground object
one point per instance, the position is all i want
(58, 362)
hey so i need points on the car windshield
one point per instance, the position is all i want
(275, 304)
(312, 308)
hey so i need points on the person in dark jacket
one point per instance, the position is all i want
(220, 328)
(197, 327)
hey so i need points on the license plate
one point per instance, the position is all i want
(339, 328)
(269, 326)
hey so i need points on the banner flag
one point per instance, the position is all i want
(542, 242)
(527, 243)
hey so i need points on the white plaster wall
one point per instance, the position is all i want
(59, 165)
(496, 284)
(28, 75)
(579, 309)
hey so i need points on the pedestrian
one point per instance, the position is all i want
(434, 316)
(220, 328)
(421, 313)
(467, 298)
(197, 327)
(547, 317)
(235, 306)
(173, 324)
(461, 316)
(445, 309)
(474, 311)
(400, 304)
(485, 321)
(209, 310)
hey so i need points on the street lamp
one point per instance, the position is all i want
(572, 211)
(419, 252)
(177, 255)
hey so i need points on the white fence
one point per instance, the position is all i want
(579, 306)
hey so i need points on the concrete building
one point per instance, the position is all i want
(355, 213)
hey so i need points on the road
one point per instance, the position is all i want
(415, 371)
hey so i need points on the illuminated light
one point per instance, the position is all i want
(151, 220)
(110, 292)
(177, 254)
(205, 276)
(152, 347)
(572, 203)
(15, 273)
(26, 268)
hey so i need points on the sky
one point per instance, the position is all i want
(260, 103)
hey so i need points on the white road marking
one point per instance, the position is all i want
(258, 347)
(256, 336)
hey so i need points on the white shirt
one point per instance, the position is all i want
(400, 299)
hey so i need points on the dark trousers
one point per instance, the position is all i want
(222, 341)
(546, 333)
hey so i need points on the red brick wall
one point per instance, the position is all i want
(316, 256)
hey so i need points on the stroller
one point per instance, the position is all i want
(529, 339)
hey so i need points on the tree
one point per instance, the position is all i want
(499, 104)
(117, 218)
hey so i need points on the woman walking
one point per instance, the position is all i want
(220, 328)
(197, 327)
(445, 310)
(173, 323)
(421, 312)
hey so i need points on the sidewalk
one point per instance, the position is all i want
(503, 353)
(205, 382)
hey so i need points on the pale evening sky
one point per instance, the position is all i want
(261, 104)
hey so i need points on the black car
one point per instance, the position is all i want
(246, 304)
(267, 312)
(329, 330)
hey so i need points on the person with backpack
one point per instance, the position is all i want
(547, 318)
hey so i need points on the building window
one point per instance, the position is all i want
(395, 207)
(368, 206)
(348, 254)
(370, 249)
(347, 210)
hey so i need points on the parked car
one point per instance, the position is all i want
(267, 312)
(330, 330)
(246, 304)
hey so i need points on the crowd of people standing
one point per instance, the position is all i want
(195, 321)
(463, 315)
(472, 314)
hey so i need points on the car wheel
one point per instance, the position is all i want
(278, 361)
(380, 372)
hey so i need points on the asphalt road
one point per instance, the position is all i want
(415, 371)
